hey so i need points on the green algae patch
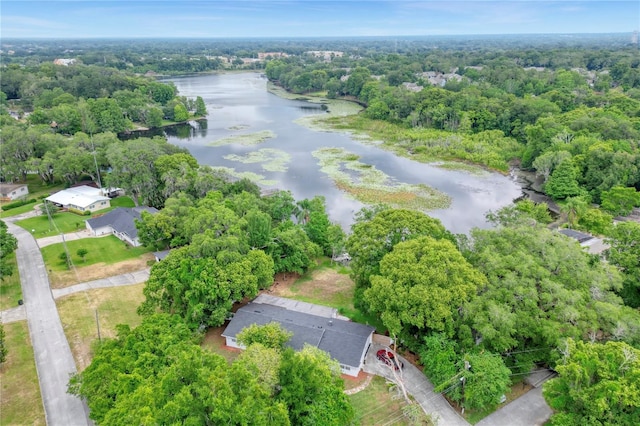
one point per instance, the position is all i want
(473, 169)
(369, 185)
(247, 139)
(273, 160)
(258, 179)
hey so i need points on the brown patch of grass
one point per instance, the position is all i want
(115, 305)
(61, 279)
(351, 382)
(20, 402)
(214, 342)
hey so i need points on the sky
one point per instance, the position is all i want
(309, 18)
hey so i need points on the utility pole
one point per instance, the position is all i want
(98, 325)
(467, 367)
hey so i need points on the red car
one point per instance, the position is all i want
(388, 358)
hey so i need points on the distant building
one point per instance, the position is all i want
(11, 191)
(64, 62)
(412, 87)
(634, 37)
(120, 222)
(264, 55)
(319, 326)
(326, 55)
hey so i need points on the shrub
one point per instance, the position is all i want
(18, 203)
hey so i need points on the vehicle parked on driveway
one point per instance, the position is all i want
(386, 356)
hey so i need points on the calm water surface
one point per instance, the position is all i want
(242, 101)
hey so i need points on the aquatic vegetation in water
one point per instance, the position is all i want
(273, 160)
(247, 139)
(239, 127)
(367, 184)
(254, 177)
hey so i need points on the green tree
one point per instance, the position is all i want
(596, 221)
(201, 108)
(624, 252)
(270, 335)
(82, 252)
(486, 380)
(372, 239)
(574, 208)
(8, 244)
(596, 384)
(153, 117)
(291, 249)
(180, 113)
(563, 182)
(620, 201)
(312, 389)
(65, 258)
(542, 287)
(422, 285)
(202, 290)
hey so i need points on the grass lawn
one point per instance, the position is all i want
(20, 402)
(17, 210)
(115, 305)
(108, 250)
(378, 405)
(10, 289)
(329, 285)
(122, 201)
(66, 222)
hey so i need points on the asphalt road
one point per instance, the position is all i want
(54, 362)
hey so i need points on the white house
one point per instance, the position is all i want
(345, 341)
(11, 191)
(81, 199)
(120, 222)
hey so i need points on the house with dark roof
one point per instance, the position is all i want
(345, 341)
(580, 237)
(120, 222)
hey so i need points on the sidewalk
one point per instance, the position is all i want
(19, 313)
(130, 278)
(78, 235)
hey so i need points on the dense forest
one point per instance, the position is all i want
(503, 300)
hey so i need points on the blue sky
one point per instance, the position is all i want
(308, 18)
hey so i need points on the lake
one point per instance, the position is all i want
(239, 104)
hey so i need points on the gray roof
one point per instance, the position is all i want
(161, 254)
(121, 219)
(345, 341)
(580, 236)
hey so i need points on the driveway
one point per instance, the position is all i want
(130, 278)
(530, 409)
(418, 386)
(54, 362)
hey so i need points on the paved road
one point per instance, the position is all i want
(418, 386)
(131, 278)
(530, 409)
(54, 362)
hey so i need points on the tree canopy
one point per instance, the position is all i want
(597, 384)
